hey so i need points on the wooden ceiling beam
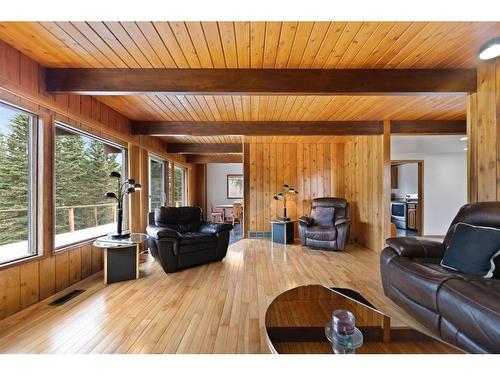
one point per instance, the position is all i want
(257, 128)
(204, 159)
(205, 148)
(430, 127)
(104, 81)
(287, 128)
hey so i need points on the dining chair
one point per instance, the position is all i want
(236, 212)
(216, 216)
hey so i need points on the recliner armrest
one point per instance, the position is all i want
(416, 247)
(306, 220)
(342, 221)
(161, 232)
(214, 228)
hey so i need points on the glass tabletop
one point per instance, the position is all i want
(296, 320)
(108, 242)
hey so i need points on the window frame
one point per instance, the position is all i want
(124, 172)
(33, 210)
(227, 185)
(184, 187)
(164, 163)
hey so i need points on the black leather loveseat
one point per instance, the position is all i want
(463, 310)
(178, 238)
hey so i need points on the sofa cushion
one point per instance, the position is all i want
(472, 250)
(323, 216)
(419, 279)
(323, 245)
(474, 306)
(321, 233)
(192, 242)
(182, 219)
(199, 247)
(197, 237)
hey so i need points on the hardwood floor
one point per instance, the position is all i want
(215, 308)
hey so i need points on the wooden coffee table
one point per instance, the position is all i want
(295, 324)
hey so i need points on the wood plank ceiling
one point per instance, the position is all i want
(191, 45)
(284, 108)
(322, 45)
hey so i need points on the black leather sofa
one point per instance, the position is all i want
(463, 310)
(179, 238)
(327, 225)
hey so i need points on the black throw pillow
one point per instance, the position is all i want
(473, 250)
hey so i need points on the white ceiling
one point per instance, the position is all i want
(428, 144)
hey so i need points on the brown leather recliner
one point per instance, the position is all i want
(327, 225)
(463, 310)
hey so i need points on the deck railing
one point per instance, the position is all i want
(71, 212)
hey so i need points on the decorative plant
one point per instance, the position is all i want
(284, 196)
(127, 187)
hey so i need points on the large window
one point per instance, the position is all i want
(82, 167)
(157, 195)
(17, 184)
(179, 186)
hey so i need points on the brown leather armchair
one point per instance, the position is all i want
(463, 310)
(327, 225)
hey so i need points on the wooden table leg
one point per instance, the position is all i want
(105, 266)
(138, 252)
(386, 329)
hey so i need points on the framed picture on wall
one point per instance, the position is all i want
(234, 186)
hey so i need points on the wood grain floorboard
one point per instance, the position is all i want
(214, 308)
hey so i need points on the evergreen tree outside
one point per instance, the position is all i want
(14, 179)
(82, 168)
(82, 178)
(70, 170)
(179, 186)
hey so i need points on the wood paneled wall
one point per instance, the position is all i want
(315, 170)
(353, 170)
(363, 171)
(483, 120)
(22, 84)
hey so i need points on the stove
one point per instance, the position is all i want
(399, 210)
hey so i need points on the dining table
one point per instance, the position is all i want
(224, 207)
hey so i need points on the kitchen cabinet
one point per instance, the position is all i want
(394, 176)
(412, 216)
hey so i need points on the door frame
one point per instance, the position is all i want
(420, 207)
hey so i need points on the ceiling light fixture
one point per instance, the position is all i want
(464, 139)
(490, 49)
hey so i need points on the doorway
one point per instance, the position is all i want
(407, 198)
(225, 196)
